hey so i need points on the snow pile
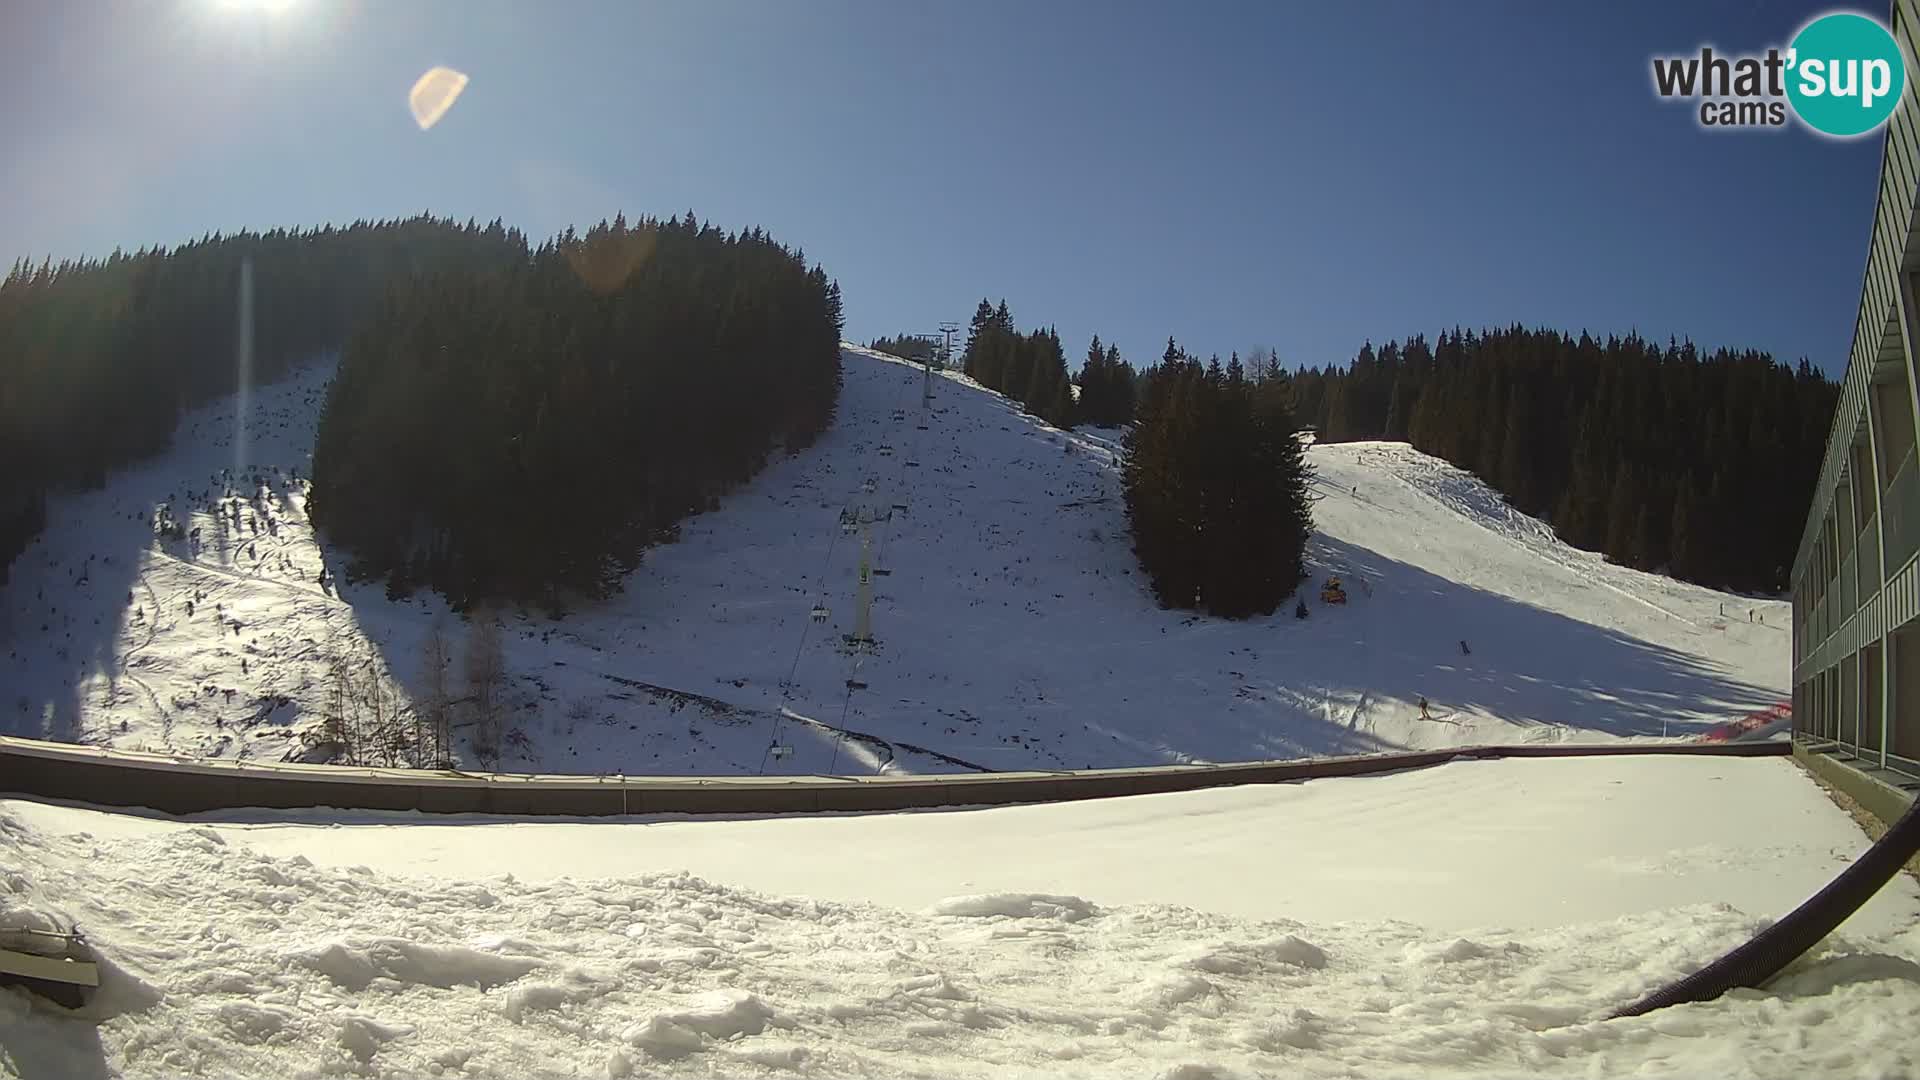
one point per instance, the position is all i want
(846, 990)
(1014, 628)
(1597, 837)
(1015, 906)
(298, 946)
(395, 961)
(718, 1016)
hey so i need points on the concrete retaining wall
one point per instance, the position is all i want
(190, 785)
(1879, 792)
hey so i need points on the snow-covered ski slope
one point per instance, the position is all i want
(1014, 630)
(1478, 919)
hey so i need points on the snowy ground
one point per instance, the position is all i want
(1014, 629)
(1478, 919)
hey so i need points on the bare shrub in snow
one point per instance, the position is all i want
(434, 711)
(486, 678)
(579, 711)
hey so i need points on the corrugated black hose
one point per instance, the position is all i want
(1772, 949)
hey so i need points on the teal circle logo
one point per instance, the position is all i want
(1845, 74)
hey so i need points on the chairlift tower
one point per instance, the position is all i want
(863, 608)
(947, 330)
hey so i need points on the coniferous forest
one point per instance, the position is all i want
(1699, 465)
(1029, 368)
(906, 347)
(99, 357)
(521, 432)
(1216, 486)
(505, 423)
(1107, 386)
(1215, 477)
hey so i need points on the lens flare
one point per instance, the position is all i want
(433, 94)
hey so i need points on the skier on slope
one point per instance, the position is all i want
(1424, 714)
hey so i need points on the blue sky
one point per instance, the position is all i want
(1232, 174)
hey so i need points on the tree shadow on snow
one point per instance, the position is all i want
(80, 607)
(1527, 664)
(61, 617)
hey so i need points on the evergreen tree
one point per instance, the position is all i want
(982, 322)
(1216, 489)
(609, 385)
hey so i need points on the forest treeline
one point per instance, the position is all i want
(914, 347)
(520, 431)
(98, 357)
(1696, 464)
(1668, 458)
(1031, 368)
(1215, 479)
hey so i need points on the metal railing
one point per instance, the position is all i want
(1901, 506)
(1847, 588)
(191, 785)
(1868, 550)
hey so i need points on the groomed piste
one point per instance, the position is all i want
(1014, 631)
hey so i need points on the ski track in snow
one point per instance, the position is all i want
(1015, 630)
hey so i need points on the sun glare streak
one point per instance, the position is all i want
(433, 94)
(243, 364)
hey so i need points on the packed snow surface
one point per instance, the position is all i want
(1014, 628)
(1477, 919)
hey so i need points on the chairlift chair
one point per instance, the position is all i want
(820, 613)
(780, 751)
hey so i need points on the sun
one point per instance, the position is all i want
(270, 7)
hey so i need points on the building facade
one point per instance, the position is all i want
(1856, 585)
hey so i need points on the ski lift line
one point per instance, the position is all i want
(786, 690)
(820, 589)
(817, 597)
(846, 706)
(819, 592)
